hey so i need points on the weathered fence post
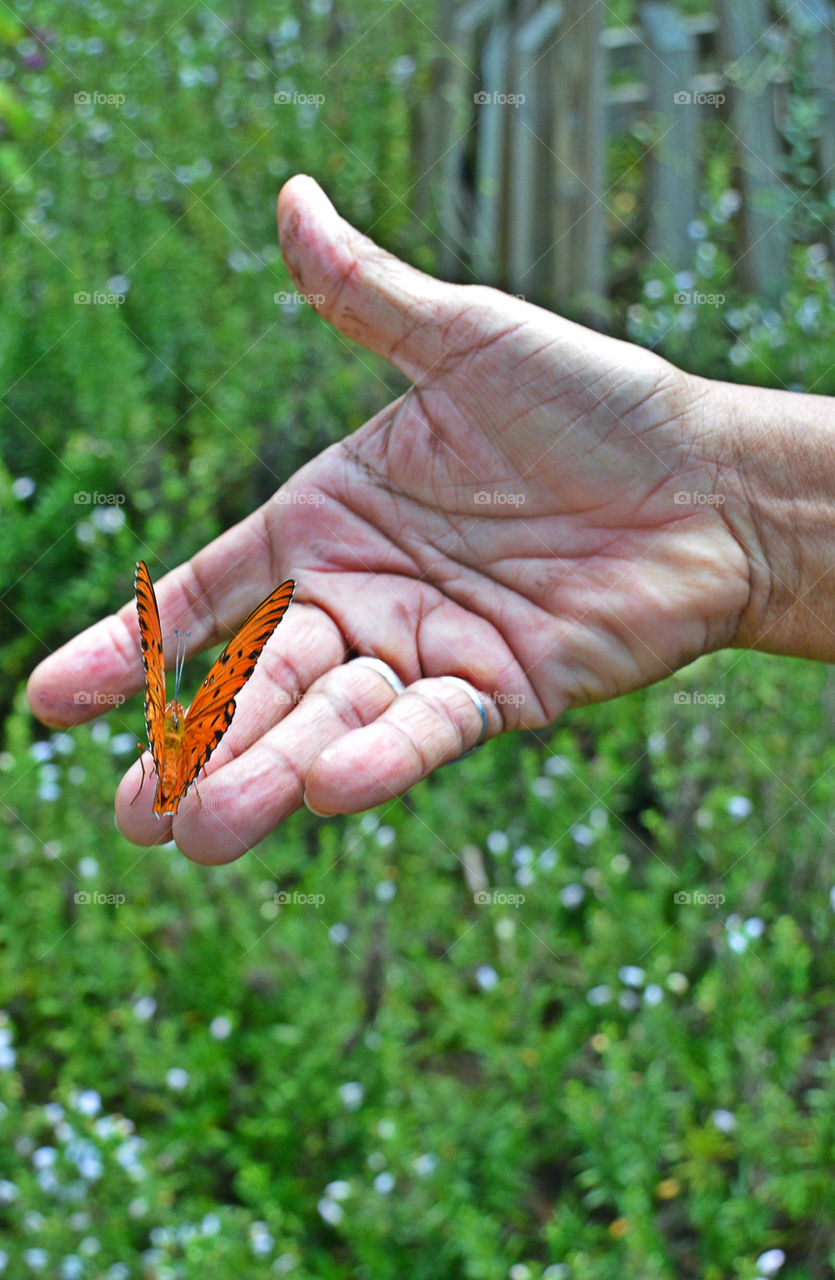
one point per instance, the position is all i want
(579, 144)
(673, 166)
(819, 19)
(742, 28)
(489, 245)
(530, 159)
(451, 119)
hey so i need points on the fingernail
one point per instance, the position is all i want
(318, 812)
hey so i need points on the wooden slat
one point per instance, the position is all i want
(673, 163)
(762, 264)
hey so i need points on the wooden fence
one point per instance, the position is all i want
(512, 144)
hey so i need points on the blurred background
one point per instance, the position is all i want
(564, 1010)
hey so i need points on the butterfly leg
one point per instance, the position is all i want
(141, 749)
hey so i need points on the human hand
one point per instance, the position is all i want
(512, 520)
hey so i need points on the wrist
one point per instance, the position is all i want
(776, 453)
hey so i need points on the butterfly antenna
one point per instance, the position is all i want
(179, 662)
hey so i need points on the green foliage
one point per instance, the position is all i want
(614, 1059)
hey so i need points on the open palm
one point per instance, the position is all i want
(515, 519)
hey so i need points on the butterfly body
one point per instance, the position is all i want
(182, 741)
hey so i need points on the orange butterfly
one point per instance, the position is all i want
(181, 741)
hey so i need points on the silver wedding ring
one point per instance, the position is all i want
(393, 679)
(475, 696)
(383, 669)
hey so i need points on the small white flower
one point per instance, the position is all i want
(220, 1028)
(498, 843)
(384, 1183)
(36, 1258)
(754, 927)
(599, 995)
(48, 1181)
(519, 1271)
(653, 994)
(386, 1129)
(557, 767)
(260, 1240)
(339, 1190)
(486, 977)
(572, 895)
(739, 806)
(385, 836)
(108, 519)
(88, 1102)
(724, 1121)
(23, 487)
(177, 1078)
(385, 891)
(352, 1095)
(656, 742)
(770, 1262)
(88, 867)
(339, 933)
(631, 975)
(43, 1157)
(144, 1008)
(330, 1211)
(425, 1164)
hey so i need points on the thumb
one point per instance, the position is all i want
(365, 292)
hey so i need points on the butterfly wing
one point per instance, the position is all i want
(150, 634)
(211, 712)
